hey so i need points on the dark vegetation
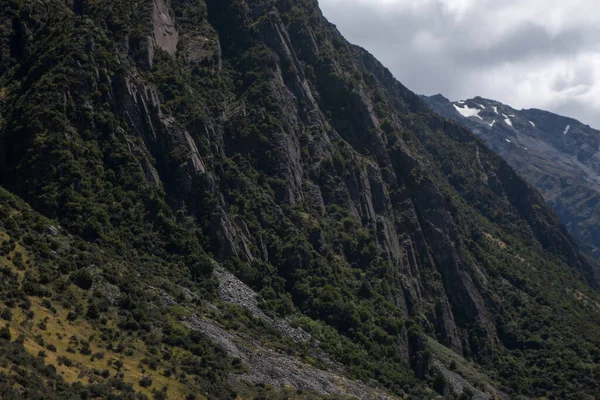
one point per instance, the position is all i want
(314, 176)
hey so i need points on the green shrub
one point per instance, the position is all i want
(145, 381)
(5, 333)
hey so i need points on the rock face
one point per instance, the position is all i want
(294, 159)
(272, 367)
(281, 370)
(165, 36)
(559, 156)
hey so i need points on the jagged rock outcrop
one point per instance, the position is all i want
(166, 36)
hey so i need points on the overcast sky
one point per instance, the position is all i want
(525, 53)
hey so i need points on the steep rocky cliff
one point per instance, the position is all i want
(385, 244)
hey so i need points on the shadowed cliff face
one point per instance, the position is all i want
(301, 164)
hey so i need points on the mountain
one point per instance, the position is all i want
(559, 156)
(225, 199)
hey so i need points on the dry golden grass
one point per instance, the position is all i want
(57, 331)
(494, 239)
(503, 246)
(581, 297)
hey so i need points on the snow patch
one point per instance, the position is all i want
(468, 112)
(508, 140)
(567, 129)
(507, 120)
(480, 105)
(492, 124)
(495, 109)
(532, 124)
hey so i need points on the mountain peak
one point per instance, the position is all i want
(557, 154)
(438, 97)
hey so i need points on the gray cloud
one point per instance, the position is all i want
(526, 53)
(525, 42)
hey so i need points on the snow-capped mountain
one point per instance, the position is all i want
(560, 156)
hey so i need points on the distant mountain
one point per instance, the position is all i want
(560, 156)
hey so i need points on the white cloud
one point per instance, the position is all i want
(526, 53)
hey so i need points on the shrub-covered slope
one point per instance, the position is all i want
(386, 244)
